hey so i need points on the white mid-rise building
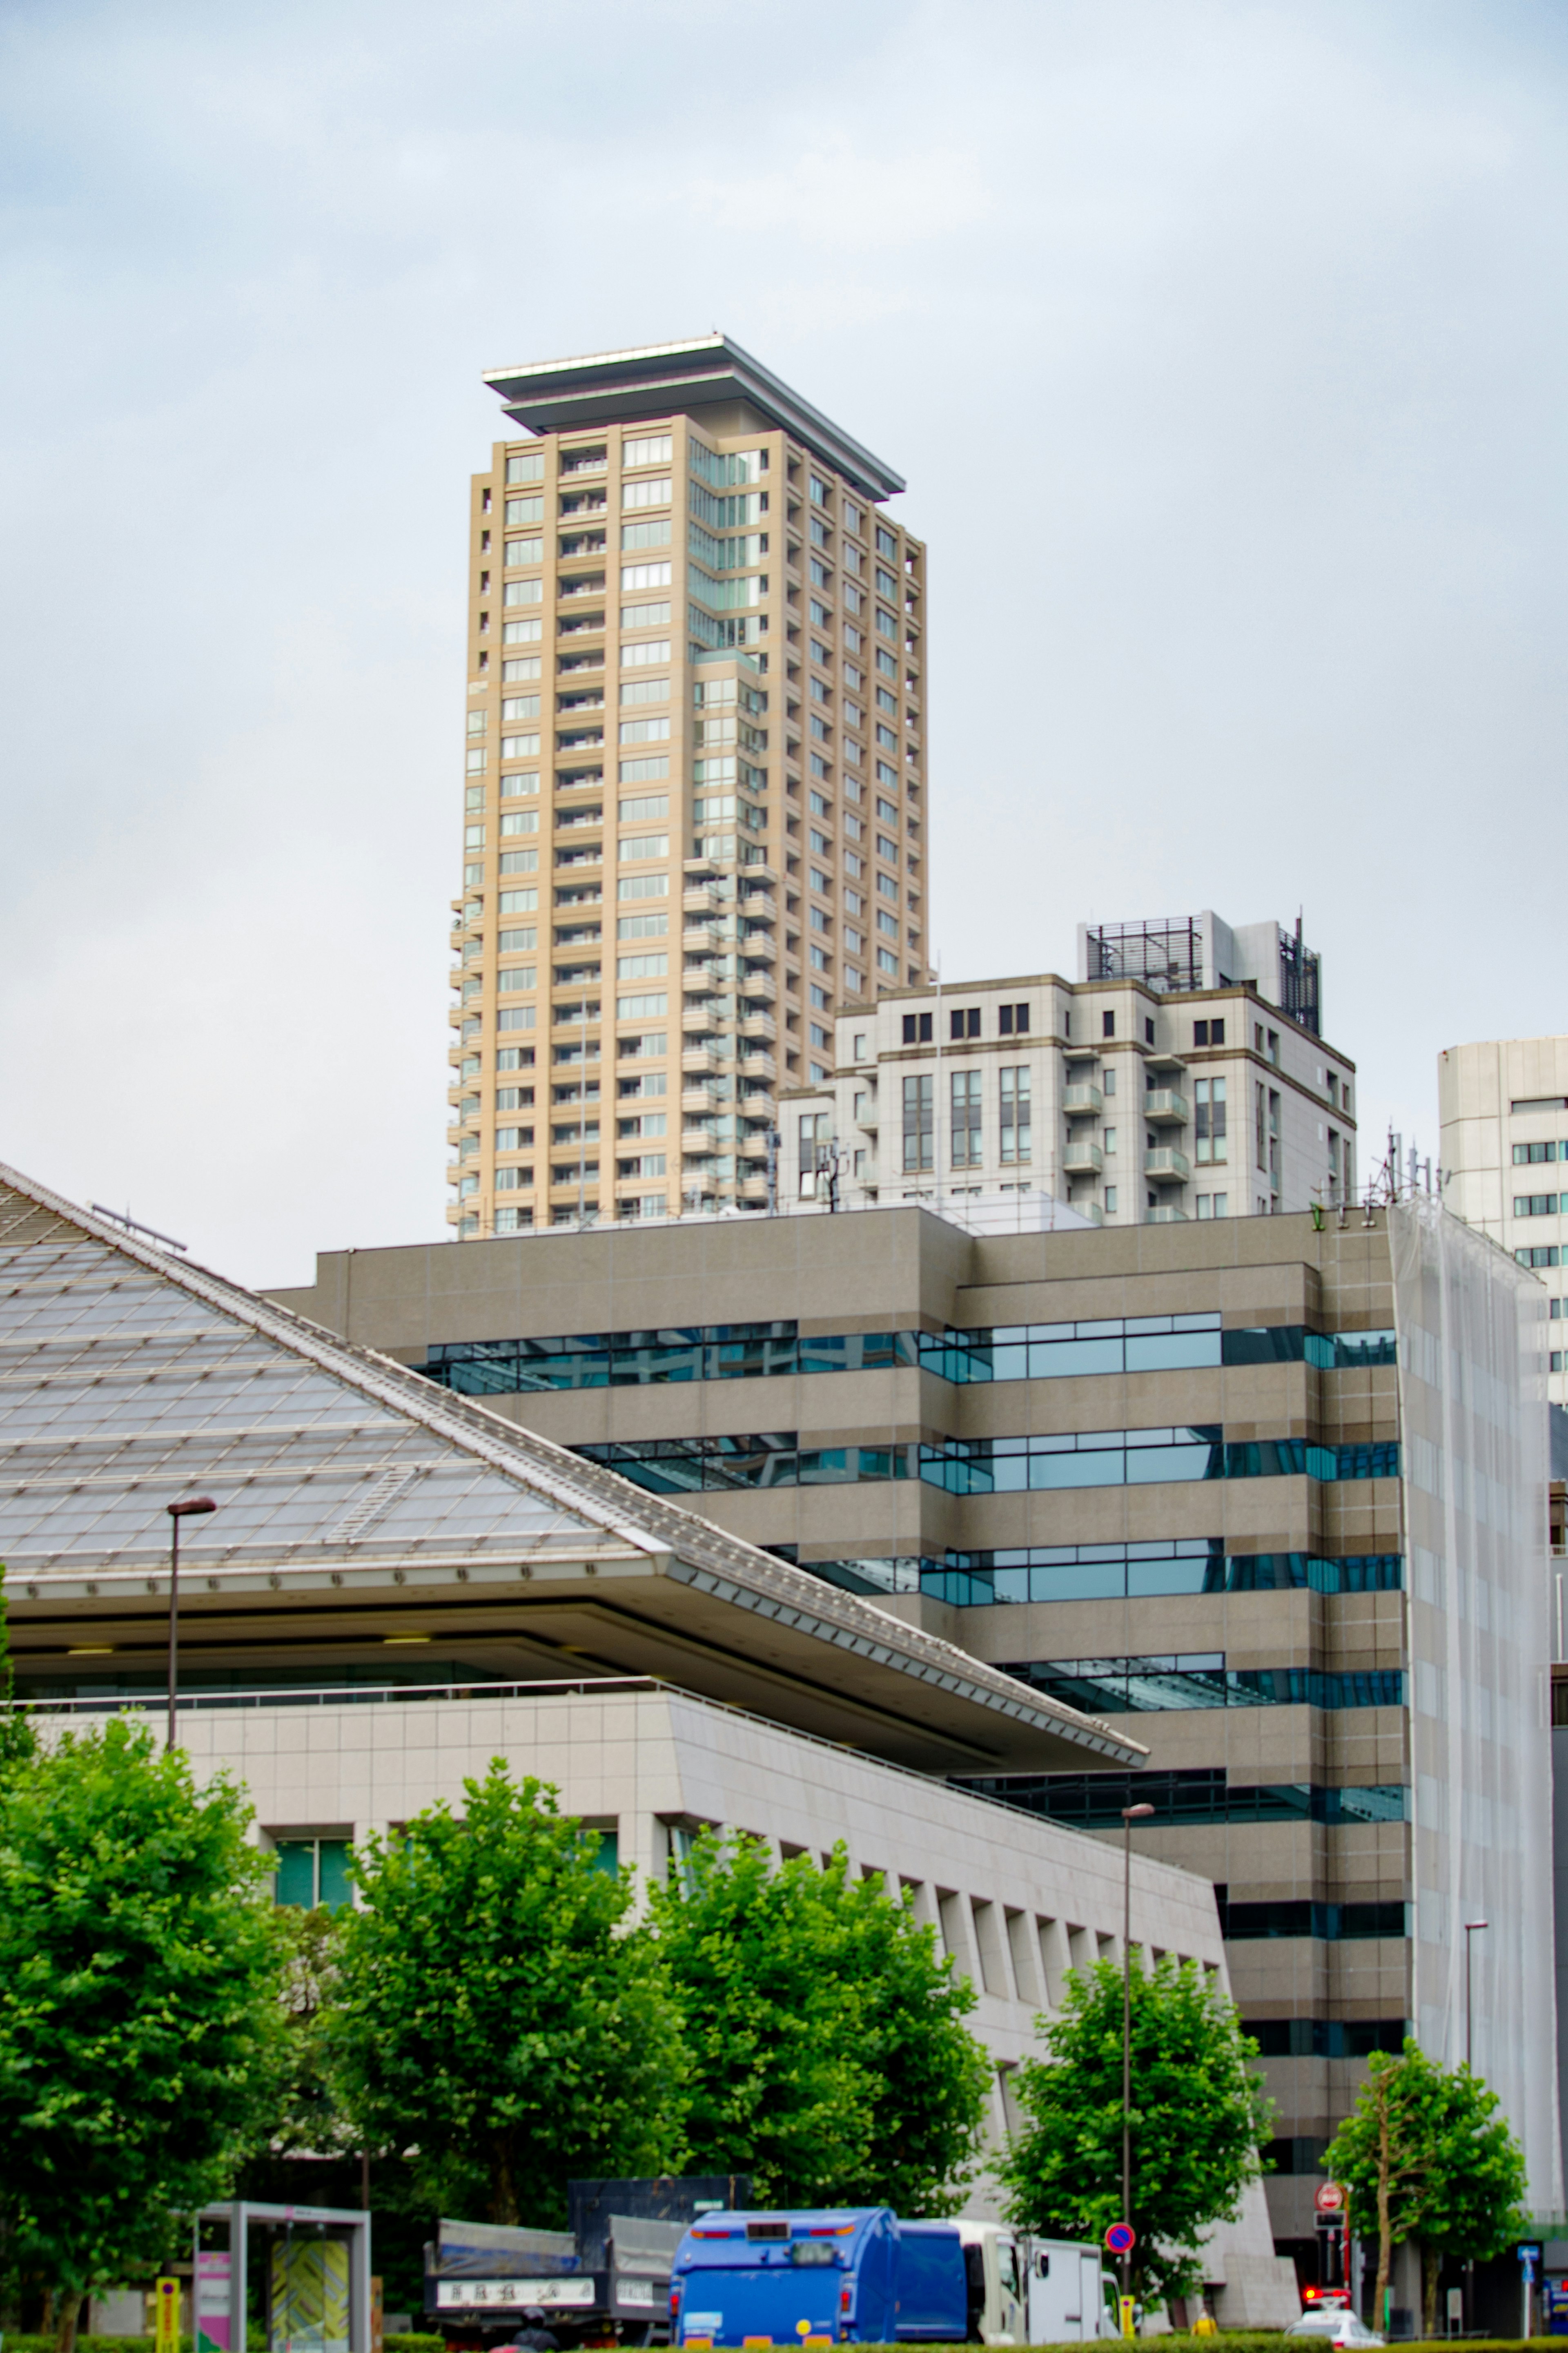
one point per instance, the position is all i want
(1503, 1108)
(1148, 1091)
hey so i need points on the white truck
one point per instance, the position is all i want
(1069, 2296)
(1028, 2291)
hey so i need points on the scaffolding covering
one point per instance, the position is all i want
(1472, 1357)
(1166, 955)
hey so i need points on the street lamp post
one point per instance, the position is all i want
(191, 1508)
(1471, 1928)
(1130, 1814)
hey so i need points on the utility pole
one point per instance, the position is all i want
(1130, 1814)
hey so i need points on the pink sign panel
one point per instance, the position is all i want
(212, 2301)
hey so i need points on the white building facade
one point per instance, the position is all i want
(1130, 1103)
(1503, 1109)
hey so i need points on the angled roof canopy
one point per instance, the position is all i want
(359, 1507)
(679, 379)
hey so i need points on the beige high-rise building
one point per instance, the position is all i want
(694, 818)
(1503, 1105)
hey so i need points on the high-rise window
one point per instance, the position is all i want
(968, 1135)
(1014, 1103)
(814, 1148)
(1209, 1112)
(919, 1120)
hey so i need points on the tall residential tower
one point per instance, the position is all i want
(694, 814)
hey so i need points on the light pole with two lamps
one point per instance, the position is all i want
(192, 1508)
(1471, 1926)
(1130, 1814)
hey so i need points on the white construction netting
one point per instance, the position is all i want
(1472, 1355)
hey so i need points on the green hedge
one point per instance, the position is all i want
(19, 2344)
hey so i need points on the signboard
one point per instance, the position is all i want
(1121, 2238)
(1127, 2305)
(212, 2329)
(166, 2316)
(513, 2295)
(1329, 2198)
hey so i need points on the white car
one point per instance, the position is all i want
(1333, 2323)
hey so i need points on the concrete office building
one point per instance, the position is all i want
(1503, 1144)
(399, 1584)
(1155, 1088)
(694, 811)
(1199, 1480)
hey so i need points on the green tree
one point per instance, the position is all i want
(494, 2012)
(1425, 2153)
(309, 2119)
(139, 2023)
(1199, 2117)
(829, 2055)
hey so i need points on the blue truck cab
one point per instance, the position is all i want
(824, 2277)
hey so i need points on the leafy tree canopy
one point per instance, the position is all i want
(139, 2023)
(1199, 2117)
(829, 2054)
(494, 2013)
(1426, 2155)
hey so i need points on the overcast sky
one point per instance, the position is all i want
(1222, 347)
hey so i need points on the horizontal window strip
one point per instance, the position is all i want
(1149, 1343)
(673, 1466)
(868, 1573)
(985, 1466)
(1124, 1458)
(720, 1352)
(1333, 1923)
(1200, 1679)
(1026, 1352)
(1131, 1572)
(1326, 2038)
(1190, 1795)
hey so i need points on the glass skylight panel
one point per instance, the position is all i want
(118, 1388)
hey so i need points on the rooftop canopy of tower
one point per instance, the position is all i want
(360, 1506)
(684, 378)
